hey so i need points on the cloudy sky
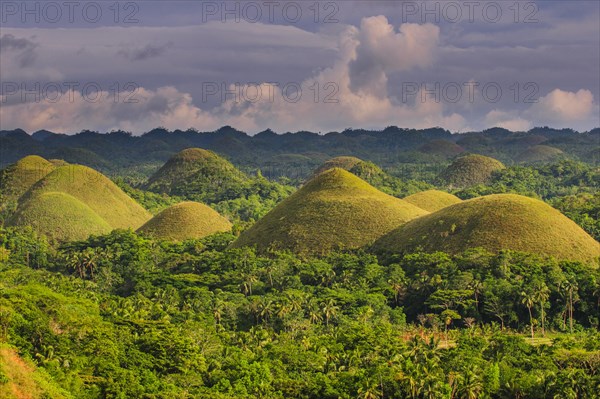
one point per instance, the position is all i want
(302, 65)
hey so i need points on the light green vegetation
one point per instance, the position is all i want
(432, 200)
(494, 222)
(187, 220)
(334, 210)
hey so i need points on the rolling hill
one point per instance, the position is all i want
(197, 173)
(441, 148)
(432, 200)
(540, 153)
(17, 178)
(59, 216)
(334, 210)
(96, 191)
(470, 170)
(494, 222)
(186, 220)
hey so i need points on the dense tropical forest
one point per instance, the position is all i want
(392, 264)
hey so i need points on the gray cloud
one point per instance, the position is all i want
(145, 52)
(24, 47)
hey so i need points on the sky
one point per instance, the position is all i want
(305, 65)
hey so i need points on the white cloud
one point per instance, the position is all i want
(507, 120)
(563, 107)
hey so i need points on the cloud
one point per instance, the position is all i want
(145, 52)
(381, 50)
(24, 48)
(563, 107)
(507, 120)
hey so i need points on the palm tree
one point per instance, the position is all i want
(528, 299)
(329, 310)
(542, 294)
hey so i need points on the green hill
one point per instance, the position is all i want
(494, 222)
(342, 162)
(335, 210)
(59, 216)
(470, 170)
(432, 200)
(96, 191)
(186, 220)
(442, 148)
(16, 179)
(540, 153)
(197, 173)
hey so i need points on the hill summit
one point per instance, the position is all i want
(196, 173)
(494, 222)
(334, 210)
(186, 220)
(17, 178)
(470, 170)
(432, 200)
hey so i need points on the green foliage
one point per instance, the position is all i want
(494, 222)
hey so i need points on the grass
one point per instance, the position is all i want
(20, 379)
(186, 220)
(96, 191)
(494, 222)
(195, 171)
(343, 162)
(470, 170)
(442, 148)
(539, 153)
(16, 179)
(334, 210)
(432, 200)
(59, 216)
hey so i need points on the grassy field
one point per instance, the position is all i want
(494, 222)
(334, 210)
(186, 220)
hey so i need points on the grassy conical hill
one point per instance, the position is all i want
(442, 148)
(59, 216)
(16, 179)
(96, 191)
(343, 162)
(196, 173)
(470, 170)
(494, 222)
(432, 200)
(186, 220)
(540, 153)
(335, 210)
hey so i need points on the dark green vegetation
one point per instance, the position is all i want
(94, 190)
(60, 217)
(432, 200)
(123, 316)
(540, 153)
(470, 170)
(184, 221)
(494, 222)
(442, 148)
(334, 210)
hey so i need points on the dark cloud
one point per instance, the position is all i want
(24, 47)
(146, 52)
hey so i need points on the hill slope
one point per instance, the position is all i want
(334, 210)
(432, 200)
(441, 148)
(186, 220)
(540, 153)
(494, 222)
(196, 173)
(59, 216)
(96, 191)
(16, 179)
(470, 170)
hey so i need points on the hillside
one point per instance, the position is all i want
(470, 170)
(59, 216)
(17, 178)
(343, 162)
(20, 379)
(494, 222)
(432, 200)
(96, 191)
(334, 210)
(197, 173)
(540, 153)
(187, 220)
